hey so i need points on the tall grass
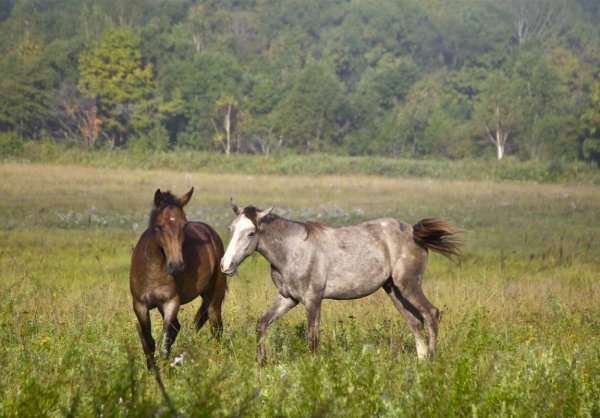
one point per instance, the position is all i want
(519, 334)
(313, 164)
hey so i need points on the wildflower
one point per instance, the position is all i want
(178, 359)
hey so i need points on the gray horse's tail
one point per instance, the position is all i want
(437, 235)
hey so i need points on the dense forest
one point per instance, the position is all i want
(398, 78)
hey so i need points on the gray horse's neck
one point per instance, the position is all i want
(276, 236)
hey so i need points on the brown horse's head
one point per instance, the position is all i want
(167, 221)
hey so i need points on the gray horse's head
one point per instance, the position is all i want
(245, 235)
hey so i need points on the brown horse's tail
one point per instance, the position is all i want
(437, 235)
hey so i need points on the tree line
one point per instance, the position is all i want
(399, 78)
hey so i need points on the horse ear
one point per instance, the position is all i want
(262, 214)
(158, 198)
(234, 206)
(186, 197)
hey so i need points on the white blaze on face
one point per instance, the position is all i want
(241, 244)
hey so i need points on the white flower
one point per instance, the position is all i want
(178, 359)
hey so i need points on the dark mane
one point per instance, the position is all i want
(311, 227)
(168, 200)
(251, 212)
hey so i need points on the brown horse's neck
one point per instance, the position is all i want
(153, 251)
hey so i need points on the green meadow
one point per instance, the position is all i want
(519, 334)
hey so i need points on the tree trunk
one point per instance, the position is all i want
(228, 130)
(414, 145)
(499, 137)
(499, 151)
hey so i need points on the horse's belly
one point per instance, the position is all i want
(357, 272)
(353, 286)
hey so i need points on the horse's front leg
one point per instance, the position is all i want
(171, 326)
(277, 310)
(145, 330)
(313, 314)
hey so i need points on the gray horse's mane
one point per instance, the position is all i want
(311, 227)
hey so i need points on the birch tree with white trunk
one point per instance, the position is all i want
(495, 109)
(225, 122)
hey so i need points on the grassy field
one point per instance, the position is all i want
(519, 335)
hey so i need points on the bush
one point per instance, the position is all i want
(10, 144)
(151, 151)
(157, 139)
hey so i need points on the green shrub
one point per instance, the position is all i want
(157, 139)
(152, 151)
(10, 144)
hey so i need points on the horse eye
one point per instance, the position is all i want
(251, 234)
(158, 227)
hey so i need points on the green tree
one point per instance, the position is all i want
(542, 21)
(202, 79)
(305, 117)
(591, 144)
(539, 101)
(225, 120)
(496, 109)
(383, 88)
(24, 87)
(414, 114)
(112, 74)
(396, 77)
(389, 80)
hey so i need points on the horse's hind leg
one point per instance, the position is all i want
(210, 309)
(408, 282)
(202, 314)
(216, 303)
(411, 315)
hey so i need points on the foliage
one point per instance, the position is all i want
(394, 78)
(155, 140)
(111, 74)
(305, 117)
(24, 86)
(591, 145)
(10, 144)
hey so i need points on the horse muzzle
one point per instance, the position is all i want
(229, 270)
(175, 267)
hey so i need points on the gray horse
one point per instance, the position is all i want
(311, 262)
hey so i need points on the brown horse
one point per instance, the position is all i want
(174, 262)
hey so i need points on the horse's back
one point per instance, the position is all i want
(359, 258)
(203, 239)
(384, 234)
(202, 231)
